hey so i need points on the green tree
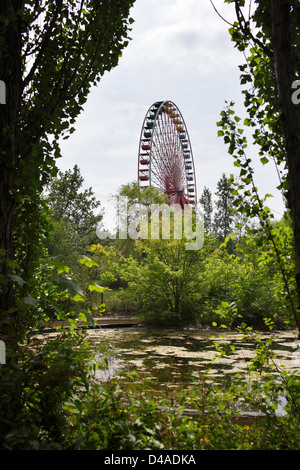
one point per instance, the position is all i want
(163, 274)
(51, 54)
(207, 203)
(165, 281)
(249, 278)
(223, 217)
(269, 39)
(134, 198)
(138, 195)
(76, 207)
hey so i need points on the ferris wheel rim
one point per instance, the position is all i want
(150, 131)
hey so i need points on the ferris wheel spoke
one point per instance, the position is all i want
(165, 153)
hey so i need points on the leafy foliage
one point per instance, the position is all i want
(69, 202)
(52, 54)
(269, 40)
(223, 217)
(207, 203)
(43, 376)
(72, 212)
(166, 284)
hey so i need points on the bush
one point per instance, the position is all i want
(126, 416)
(36, 383)
(49, 401)
(248, 284)
(120, 302)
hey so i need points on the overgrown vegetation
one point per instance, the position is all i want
(62, 407)
(162, 282)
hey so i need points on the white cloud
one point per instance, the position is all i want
(179, 34)
(180, 51)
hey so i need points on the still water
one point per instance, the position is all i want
(175, 357)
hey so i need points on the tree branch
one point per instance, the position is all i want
(43, 45)
(247, 32)
(219, 14)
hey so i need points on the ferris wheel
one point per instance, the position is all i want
(165, 159)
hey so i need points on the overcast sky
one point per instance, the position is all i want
(180, 51)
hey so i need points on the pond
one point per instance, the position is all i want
(176, 357)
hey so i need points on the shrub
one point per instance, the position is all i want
(249, 284)
(35, 384)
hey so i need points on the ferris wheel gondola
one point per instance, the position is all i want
(165, 158)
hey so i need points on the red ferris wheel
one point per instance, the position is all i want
(165, 159)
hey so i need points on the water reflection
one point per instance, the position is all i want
(177, 357)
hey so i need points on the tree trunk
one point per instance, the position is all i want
(285, 75)
(11, 75)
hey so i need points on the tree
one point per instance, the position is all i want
(285, 40)
(52, 53)
(69, 202)
(73, 217)
(223, 216)
(206, 201)
(135, 198)
(269, 39)
(165, 280)
(163, 275)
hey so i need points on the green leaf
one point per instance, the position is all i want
(85, 316)
(68, 284)
(78, 298)
(88, 262)
(31, 301)
(19, 280)
(264, 160)
(61, 267)
(247, 122)
(95, 287)
(98, 247)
